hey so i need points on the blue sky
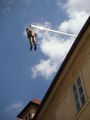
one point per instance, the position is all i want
(25, 75)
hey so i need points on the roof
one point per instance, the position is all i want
(63, 66)
(34, 102)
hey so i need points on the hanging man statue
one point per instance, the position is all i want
(31, 36)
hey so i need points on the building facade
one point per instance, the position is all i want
(29, 110)
(68, 97)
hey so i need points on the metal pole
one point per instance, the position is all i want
(63, 33)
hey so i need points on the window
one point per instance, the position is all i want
(53, 116)
(25, 118)
(78, 93)
(29, 116)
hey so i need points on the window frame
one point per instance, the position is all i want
(79, 84)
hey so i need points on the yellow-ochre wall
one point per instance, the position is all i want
(60, 103)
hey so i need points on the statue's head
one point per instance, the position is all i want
(26, 29)
(30, 26)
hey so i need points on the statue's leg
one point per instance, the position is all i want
(31, 41)
(35, 43)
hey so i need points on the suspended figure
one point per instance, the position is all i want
(32, 37)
